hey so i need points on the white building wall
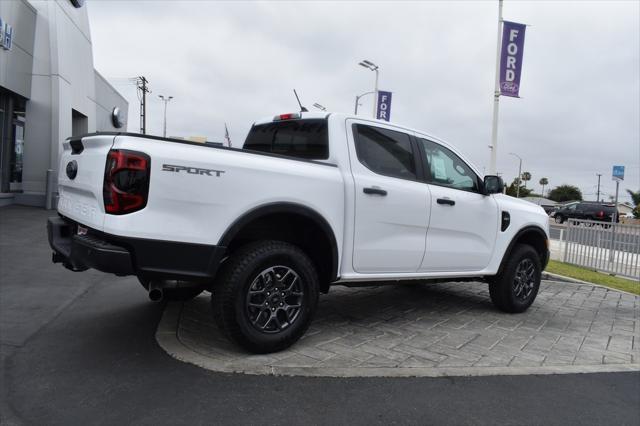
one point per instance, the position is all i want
(63, 79)
(16, 64)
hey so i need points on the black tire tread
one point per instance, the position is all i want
(222, 297)
(500, 285)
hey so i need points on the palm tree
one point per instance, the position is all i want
(544, 182)
(635, 197)
(526, 176)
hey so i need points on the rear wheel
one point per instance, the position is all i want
(558, 219)
(516, 287)
(265, 296)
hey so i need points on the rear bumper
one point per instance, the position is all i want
(131, 256)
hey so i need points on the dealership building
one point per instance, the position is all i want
(49, 91)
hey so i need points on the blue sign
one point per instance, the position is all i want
(618, 173)
(384, 106)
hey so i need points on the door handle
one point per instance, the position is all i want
(374, 191)
(446, 201)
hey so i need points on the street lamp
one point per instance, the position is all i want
(358, 100)
(320, 107)
(373, 67)
(519, 173)
(166, 101)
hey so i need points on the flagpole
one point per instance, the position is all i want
(496, 98)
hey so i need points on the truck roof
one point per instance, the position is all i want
(346, 116)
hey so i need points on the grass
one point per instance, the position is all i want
(591, 276)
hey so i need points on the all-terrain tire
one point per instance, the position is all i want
(244, 315)
(504, 287)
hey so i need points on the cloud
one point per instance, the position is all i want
(236, 62)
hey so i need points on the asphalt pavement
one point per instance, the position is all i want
(79, 348)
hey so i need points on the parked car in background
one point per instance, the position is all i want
(585, 210)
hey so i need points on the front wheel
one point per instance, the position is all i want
(266, 296)
(516, 287)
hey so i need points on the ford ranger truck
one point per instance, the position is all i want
(311, 200)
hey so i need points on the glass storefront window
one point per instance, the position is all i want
(17, 154)
(12, 140)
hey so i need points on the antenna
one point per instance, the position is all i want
(302, 109)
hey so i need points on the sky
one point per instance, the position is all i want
(236, 62)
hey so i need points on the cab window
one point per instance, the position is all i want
(305, 139)
(445, 168)
(385, 152)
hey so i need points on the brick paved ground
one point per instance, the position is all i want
(438, 326)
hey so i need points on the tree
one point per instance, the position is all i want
(565, 193)
(526, 176)
(544, 182)
(635, 197)
(512, 189)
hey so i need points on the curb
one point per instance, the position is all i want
(550, 276)
(167, 338)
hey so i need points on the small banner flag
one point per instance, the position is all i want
(511, 58)
(384, 106)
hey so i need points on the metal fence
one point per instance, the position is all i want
(612, 248)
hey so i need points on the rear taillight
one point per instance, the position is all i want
(126, 181)
(600, 213)
(289, 116)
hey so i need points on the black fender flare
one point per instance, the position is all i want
(290, 208)
(520, 233)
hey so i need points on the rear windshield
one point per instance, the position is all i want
(294, 138)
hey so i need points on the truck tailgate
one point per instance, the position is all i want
(80, 179)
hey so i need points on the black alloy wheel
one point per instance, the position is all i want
(274, 299)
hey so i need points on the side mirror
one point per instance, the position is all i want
(493, 185)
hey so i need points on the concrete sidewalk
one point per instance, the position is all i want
(448, 329)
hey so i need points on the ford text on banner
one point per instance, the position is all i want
(384, 106)
(511, 58)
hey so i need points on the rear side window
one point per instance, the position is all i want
(385, 152)
(305, 139)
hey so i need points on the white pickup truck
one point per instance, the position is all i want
(311, 200)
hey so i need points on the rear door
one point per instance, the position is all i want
(464, 222)
(80, 179)
(391, 205)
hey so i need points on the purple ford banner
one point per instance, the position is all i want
(384, 106)
(511, 58)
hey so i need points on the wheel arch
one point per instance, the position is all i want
(531, 235)
(297, 224)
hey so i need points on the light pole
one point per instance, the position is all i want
(519, 173)
(373, 67)
(320, 107)
(496, 98)
(166, 101)
(358, 100)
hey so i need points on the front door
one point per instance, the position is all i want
(391, 205)
(464, 222)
